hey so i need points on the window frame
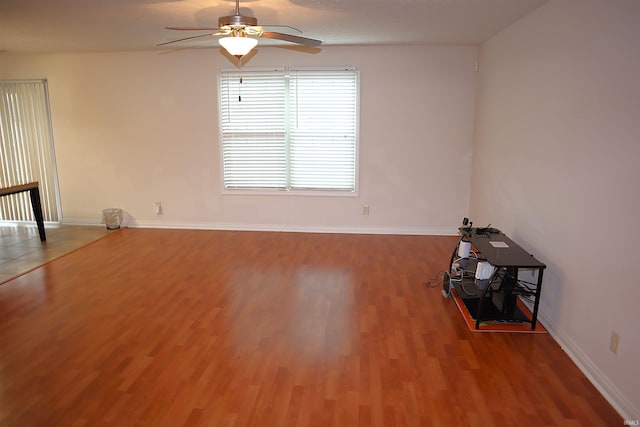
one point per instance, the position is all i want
(287, 190)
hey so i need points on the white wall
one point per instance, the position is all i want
(556, 166)
(134, 128)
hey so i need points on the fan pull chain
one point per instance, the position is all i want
(240, 95)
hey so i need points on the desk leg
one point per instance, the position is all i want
(534, 317)
(34, 193)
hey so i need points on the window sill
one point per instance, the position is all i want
(276, 192)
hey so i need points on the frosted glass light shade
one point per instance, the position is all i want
(238, 46)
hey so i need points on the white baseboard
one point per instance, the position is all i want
(600, 381)
(271, 227)
(91, 222)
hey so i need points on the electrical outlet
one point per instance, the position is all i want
(615, 342)
(365, 210)
(158, 208)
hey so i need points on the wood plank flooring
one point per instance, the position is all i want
(218, 328)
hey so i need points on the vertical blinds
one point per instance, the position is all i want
(26, 149)
(289, 129)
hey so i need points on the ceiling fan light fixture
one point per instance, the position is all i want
(238, 46)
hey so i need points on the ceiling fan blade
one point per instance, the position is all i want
(192, 28)
(188, 38)
(297, 30)
(291, 38)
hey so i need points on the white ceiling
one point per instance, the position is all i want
(39, 26)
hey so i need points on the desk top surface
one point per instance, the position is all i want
(4, 191)
(498, 249)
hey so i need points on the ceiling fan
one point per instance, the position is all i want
(240, 34)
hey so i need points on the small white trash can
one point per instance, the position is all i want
(112, 217)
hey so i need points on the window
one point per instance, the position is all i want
(289, 129)
(26, 149)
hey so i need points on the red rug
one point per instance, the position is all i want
(498, 326)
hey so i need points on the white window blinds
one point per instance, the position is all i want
(289, 129)
(253, 129)
(26, 149)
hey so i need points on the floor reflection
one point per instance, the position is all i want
(313, 315)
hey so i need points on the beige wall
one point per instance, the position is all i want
(556, 166)
(134, 128)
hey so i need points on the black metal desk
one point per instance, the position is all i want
(508, 257)
(36, 205)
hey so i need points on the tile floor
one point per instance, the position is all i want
(21, 249)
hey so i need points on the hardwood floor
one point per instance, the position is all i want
(218, 328)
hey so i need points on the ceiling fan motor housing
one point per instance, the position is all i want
(237, 21)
